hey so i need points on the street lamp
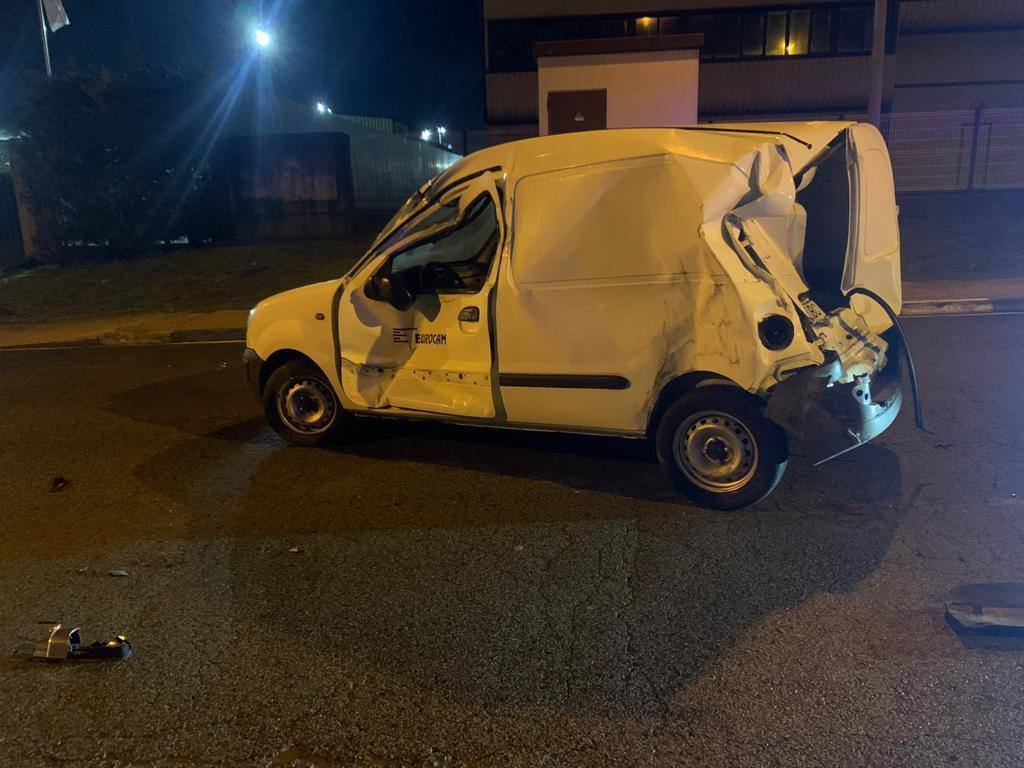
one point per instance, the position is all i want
(425, 134)
(322, 109)
(262, 37)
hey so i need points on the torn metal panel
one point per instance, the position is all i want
(987, 606)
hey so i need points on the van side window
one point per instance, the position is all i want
(458, 260)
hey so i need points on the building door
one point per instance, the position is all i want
(570, 111)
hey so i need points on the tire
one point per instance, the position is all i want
(718, 450)
(301, 405)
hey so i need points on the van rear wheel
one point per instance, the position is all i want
(718, 450)
(301, 404)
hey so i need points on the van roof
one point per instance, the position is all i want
(720, 142)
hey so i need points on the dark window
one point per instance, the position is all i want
(459, 259)
(670, 25)
(511, 45)
(728, 35)
(702, 25)
(753, 35)
(597, 26)
(776, 43)
(855, 29)
(821, 31)
(799, 33)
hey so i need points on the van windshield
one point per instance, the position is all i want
(441, 214)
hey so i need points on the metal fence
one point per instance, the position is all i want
(956, 151)
(979, 149)
(387, 168)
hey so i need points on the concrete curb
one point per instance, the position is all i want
(113, 339)
(923, 307)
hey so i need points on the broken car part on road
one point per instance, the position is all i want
(65, 644)
(987, 606)
(728, 292)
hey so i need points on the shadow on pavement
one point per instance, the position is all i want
(509, 569)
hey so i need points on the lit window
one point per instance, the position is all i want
(647, 25)
(777, 34)
(799, 33)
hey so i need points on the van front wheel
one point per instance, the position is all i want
(301, 405)
(718, 450)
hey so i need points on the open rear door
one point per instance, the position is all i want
(873, 253)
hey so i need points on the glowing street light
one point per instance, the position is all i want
(262, 37)
(425, 134)
(322, 109)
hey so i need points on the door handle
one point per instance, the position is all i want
(469, 315)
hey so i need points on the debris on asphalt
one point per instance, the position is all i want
(295, 550)
(519, 547)
(987, 606)
(943, 445)
(59, 483)
(119, 573)
(65, 644)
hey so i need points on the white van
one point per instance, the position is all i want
(726, 291)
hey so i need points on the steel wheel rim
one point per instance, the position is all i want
(307, 406)
(716, 451)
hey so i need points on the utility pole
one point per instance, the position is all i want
(46, 42)
(878, 63)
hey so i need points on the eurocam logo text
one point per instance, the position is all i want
(432, 338)
(406, 335)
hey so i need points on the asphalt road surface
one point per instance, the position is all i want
(471, 597)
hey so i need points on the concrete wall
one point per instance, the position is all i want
(946, 71)
(648, 89)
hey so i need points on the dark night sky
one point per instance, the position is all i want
(417, 61)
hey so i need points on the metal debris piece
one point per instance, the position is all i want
(119, 573)
(987, 606)
(295, 550)
(65, 643)
(59, 483)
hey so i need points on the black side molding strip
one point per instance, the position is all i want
(562, 381)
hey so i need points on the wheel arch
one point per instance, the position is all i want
(680, 385)
(279, 358)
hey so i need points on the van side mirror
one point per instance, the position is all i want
(383, 287)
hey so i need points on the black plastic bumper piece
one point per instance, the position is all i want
(823, 419)
(253, 365)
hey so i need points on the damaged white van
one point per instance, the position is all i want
(729, 292)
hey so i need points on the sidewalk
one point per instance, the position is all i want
(959, 297)
(226, 324)
(934, 298)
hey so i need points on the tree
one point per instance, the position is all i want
(115, 161)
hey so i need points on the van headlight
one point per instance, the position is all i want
(776, 332)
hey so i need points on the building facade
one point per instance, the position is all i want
(776, 60)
